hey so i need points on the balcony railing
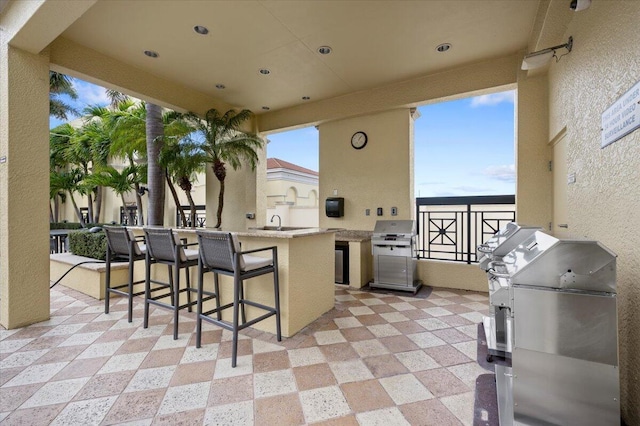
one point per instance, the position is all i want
(200, 218)
(450, 228)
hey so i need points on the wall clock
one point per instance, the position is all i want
(359, 140)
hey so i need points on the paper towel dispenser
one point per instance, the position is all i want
(334, 207)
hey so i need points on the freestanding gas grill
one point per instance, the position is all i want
(394, 259)
(498, 325)
(565, 341)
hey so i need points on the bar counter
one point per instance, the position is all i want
(305, 268)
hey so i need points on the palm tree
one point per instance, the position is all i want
(60, 84)
(183, 161)
(155, 172)
(225, 143)
(121, 182)
(69, 182)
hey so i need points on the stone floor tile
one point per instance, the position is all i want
(350, 371)
(384, 365)
(429, 413)
(11, 398)
(416, 314)
(103, 385)
(437, 311)
(338, 352)
(98, 350)
(441, 302)
(33, 416)
(371, 347)
(239, 414)
(329, 337)
(349, 420)
(260, 346)
(273, 383)
(467, 373)
(382, 417)
(185, 398)
(21, 359)
(114, 335)
(87, 412)
(371, 319)
(426, 340)
(323, 404)
(151, 378)
(409, 327)
(470, 348)
(245, 347)
(366, 395)
(397, 344)
(405, 388)
(402, 306)
(314, 376)
(81, 368)
(270, 361)
(383, 330)
(431, 324)
(279, 410)
(142, 344)
(451, 335)
(361, 310)
(394, 317)
(39, 373)
(461, 406)
(417, 360)
(448, 355)
(305, 356)
(382, 309)
(231, 389)
(347, 322)
(244, 365)
(356, 334)
(123, 363)
(195, 372)
(55, 393)
(474, 317)
(135, 406)
(163, 357)
(167, 342)
(441, 382)
(12, 345)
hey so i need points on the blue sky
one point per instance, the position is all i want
(462, 147)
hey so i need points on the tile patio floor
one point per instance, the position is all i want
(373, 360)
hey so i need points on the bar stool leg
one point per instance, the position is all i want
(176, 301)
(199, 305)
(107, 282)
(216, 289)
(244, 316)
(187, 272)
(147, 288)
(276, 290)
(130, 308)
(236, 295)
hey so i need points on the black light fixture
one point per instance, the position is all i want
(324, 50)
(201, 30)
(220, 86)
(306, 98)
(142, 190)
(264, 71)
(578, 5)
(443, 47)
(151, 53)
(266, 108)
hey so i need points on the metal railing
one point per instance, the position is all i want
(450, 228)
(200, 218)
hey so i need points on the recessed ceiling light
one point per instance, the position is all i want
(151, 53)
(305, 98)
(324, 50)
(201, 30)
(220, 86)
(266, 108)
(443, 47)
(264, 71)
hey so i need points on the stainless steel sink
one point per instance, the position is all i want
(282, 228)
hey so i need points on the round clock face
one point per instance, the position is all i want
(359, 140)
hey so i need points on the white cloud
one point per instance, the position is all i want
(505, 173)
(90, 94)
(493, 99)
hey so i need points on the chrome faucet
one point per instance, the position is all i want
(279, 228)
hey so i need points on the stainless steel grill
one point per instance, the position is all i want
(564, 358)
(394, 259)
(498, 325)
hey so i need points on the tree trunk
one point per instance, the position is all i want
(50, 212)
(193, 208)
(139, 204)
(56, 208)
(176, 200)
(75, 207)
(220, 204)
(99, 193)
(89, 208)
(126, 210)
(155, 173)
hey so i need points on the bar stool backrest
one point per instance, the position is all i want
(161, 244)
(217, 249)
(119, 238)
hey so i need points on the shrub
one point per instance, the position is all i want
(65, 225)
(88, 244)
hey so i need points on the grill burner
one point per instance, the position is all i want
(394, 259)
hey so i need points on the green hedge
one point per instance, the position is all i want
(87, 244)
(64, 225)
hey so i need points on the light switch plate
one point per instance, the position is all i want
(367, 212)
(394, 211)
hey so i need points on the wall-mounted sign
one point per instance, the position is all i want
(621, 118)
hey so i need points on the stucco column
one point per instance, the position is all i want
(24, 187)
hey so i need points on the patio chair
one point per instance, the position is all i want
(220, 253)
(122, 246)
(163, 246)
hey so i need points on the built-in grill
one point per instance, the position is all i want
(565, 345)
(498, 324)
(394, 256)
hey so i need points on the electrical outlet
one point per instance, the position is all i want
(379, 211)
(394, 211)
(335, 192)
(367, 212)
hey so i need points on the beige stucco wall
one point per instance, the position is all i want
(376, 176)
(24, 186)
(604, 203)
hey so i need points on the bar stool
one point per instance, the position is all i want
(122, 246)
(220, 253)
(165, 247)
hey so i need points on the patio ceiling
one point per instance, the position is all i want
(374, 43)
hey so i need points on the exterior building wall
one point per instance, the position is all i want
(604, 202)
